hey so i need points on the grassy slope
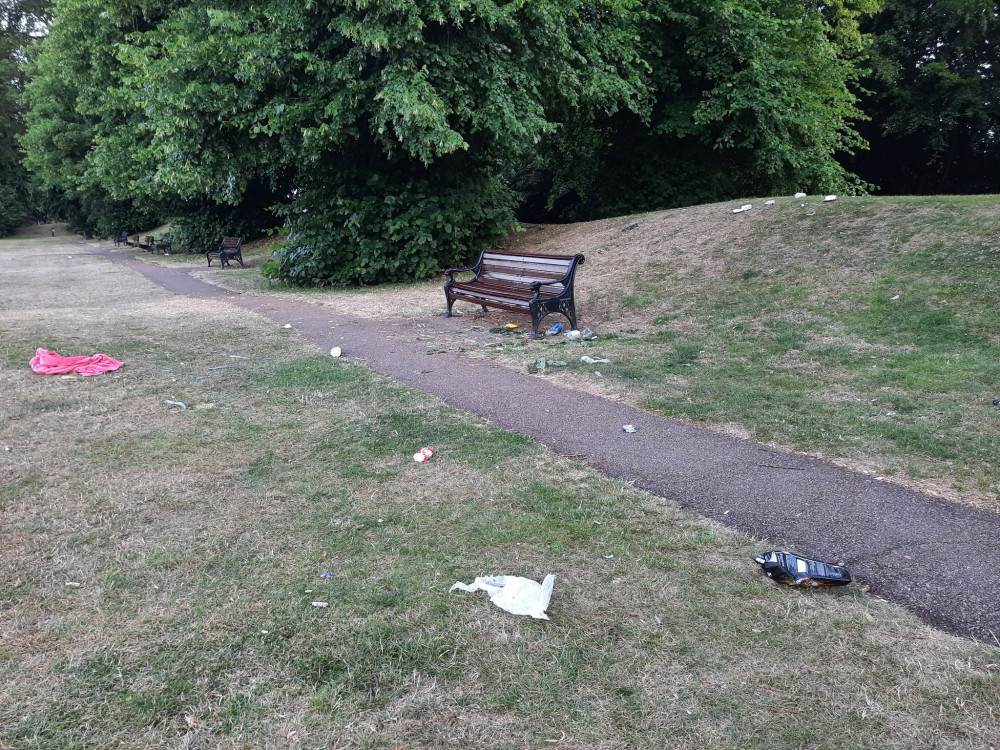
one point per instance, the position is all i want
(200, 537)
(866, 330)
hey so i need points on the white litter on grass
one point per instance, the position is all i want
(335, 352)
(287, 325)
(592, 361)
(800, 195)
(519, 596)
(175, 403)
(893, 299)
(829, 198)
(769, 203)
(743, 208)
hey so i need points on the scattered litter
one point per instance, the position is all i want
(220, 367)
(800, 195)
(598, 374)
(586, 334)
(73, 584)
(996, 402)
(328, 575)
(554, 329)
(890, 413)
(540, 365)
(511, 325)
(892, 299)
(287, 325)
(237, 356)
(201, 377)
(175, 403)
(519, 596)
(629, 227)
(49, 363)
(321, 605)
(608, 557)
(770, 202)
(830, 198)
(793, 570)
(424, 454)
(591, 361)
(573, 335)
(629, 428)
(741, 209)
(335, 351)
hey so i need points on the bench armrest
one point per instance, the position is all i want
(566, 280)
(449, 272)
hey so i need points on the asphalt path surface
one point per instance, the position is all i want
(936, 558)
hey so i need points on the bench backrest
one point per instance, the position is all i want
(231, 243)
(522, 270)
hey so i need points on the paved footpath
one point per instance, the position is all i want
(936, 558)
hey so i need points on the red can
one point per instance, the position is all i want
(424, 454)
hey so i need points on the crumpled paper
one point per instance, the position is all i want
(519, 596)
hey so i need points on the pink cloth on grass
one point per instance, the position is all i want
(49, 363)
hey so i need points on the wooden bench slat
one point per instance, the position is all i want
(521, 291)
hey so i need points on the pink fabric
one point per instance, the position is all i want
(49, 363)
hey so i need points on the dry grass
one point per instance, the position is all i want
(199, 537)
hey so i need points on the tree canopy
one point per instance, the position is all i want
(934, 98)
(396, 137)
(21, 22)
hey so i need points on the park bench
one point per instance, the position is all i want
(229, 248)
(535, 284)
(165, 244)
(132, 240)
(148, 243)
(121, 239)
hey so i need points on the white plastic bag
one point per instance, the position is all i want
(519, 596)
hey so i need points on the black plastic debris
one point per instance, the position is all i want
(792, 570)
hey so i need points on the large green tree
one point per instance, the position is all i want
(393, 136)
(746, 97)
(934, 98)
(382, 130)
(21, 23)
(75, 103)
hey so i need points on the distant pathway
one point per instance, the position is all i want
(938, 559)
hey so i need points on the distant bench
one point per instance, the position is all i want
(229, 248)
(147, 243)
(536, 284)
